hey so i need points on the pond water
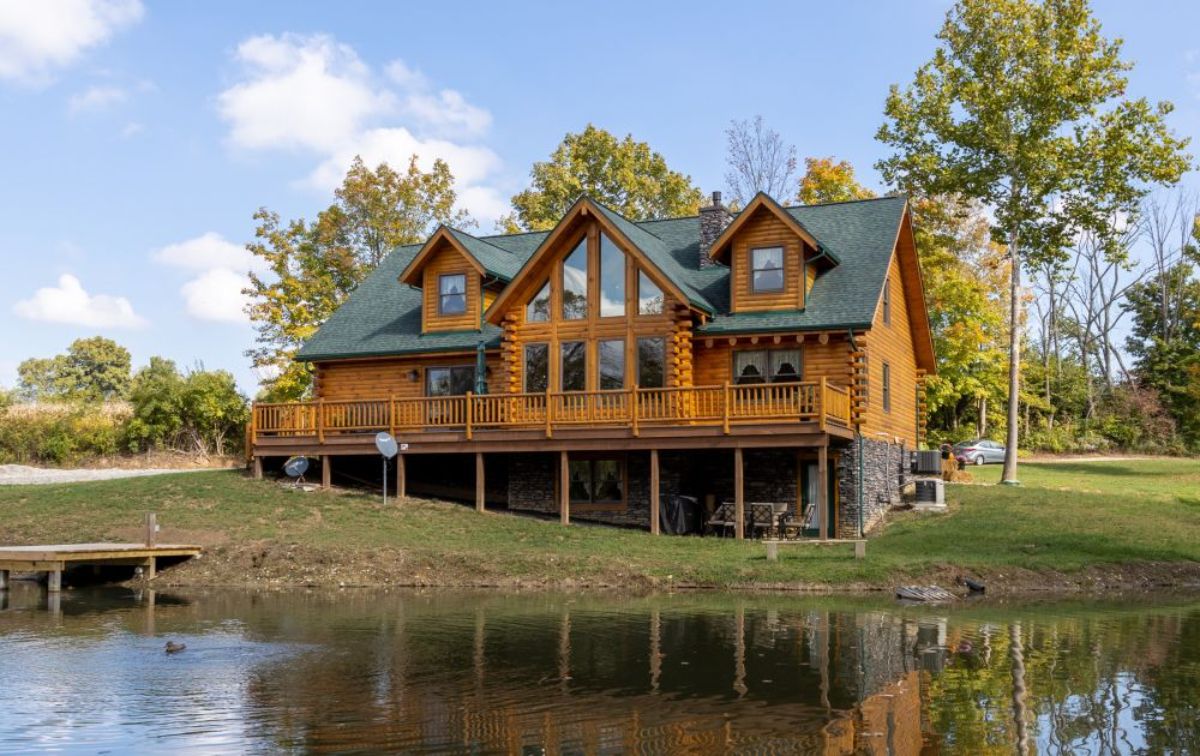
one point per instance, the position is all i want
(546, 673)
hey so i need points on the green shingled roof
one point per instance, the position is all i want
(383, 316)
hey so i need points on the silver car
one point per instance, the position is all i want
(978, 452)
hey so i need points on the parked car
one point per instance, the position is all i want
(978, 452)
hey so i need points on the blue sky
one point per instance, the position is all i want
(139, 138)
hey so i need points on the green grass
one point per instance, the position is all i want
(1066, 517)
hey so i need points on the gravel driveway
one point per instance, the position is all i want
(16, 475)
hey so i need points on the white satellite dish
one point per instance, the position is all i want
(386, 445)
(296, 467)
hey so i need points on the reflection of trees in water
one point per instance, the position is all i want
(505, 673)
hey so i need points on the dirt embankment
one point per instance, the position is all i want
(268, 564)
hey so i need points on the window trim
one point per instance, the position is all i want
(754, 289)
(441, 311)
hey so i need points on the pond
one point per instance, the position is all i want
(547, 673)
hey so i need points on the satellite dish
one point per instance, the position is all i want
(296, 466)
(386, 445)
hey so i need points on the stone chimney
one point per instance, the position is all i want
(713, 220)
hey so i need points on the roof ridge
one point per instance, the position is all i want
(848, 202)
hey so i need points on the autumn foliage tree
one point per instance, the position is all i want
(623, 174)
(825, 180)
(311, 267)
(1023, 108)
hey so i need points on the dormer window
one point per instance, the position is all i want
(766, 269)
(452, 294)
(575, 283)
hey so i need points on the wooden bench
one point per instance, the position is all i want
(860, 546)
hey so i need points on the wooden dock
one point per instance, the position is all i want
(54, 559)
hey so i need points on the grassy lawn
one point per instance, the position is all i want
(1066, 517)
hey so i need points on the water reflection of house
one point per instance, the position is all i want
(589, 682)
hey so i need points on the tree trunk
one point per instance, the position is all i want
(1014, 364)
(983, 417)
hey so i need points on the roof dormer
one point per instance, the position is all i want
(459, 276)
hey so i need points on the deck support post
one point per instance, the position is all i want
(739, 501)
(822, 491)
(54, 583)
(655, 504)
(480, 489)
(257, 470)
(800, 486)
(151, 569)
(3, 580)
(564, 488)
(401, 478)
(326, 471)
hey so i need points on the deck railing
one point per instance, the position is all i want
(725, 406)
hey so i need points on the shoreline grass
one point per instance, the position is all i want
(1068, 525)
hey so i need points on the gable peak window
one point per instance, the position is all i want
(538, 309)
(575, 283)
(766, 269)
(650, 297)
(612, 279)
(452, 294)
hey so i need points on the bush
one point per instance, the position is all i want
(60, 434)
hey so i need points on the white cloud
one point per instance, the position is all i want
(308, 92)
(70, 303)
(216, 293)
(96, 98)
(132, 129)
(207, 251)
(314, 93)
(38, 37)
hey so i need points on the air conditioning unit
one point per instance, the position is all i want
(927, 462)
(931, 492)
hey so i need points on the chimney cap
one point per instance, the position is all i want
(716, 199)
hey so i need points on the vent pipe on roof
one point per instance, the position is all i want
(713, 220)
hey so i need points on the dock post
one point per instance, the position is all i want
(480, 487)
(151, 523)
(739, 501)
(151, 568)
(54, 583)
(257, 468)
(823, 492)
(655, 504)
(326, 471)
(564, 489)
(3, 580)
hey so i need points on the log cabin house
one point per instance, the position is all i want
(595, 370)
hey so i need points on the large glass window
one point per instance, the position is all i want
(573, 372)
(650, 297)
(766, 366)
(574, 283)
(611, 353)
(449, 381)
(651, 362)
(538, 309)
(612, 279)
(597, 481)
(537, 367)
(452, 294)
(766, 269)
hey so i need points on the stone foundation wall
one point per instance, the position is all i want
(884, 473)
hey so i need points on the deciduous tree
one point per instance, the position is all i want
(95, 369)
(1023, 107)
(623, 174)
(827, 181)
(757, 160)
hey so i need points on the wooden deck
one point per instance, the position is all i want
(685, 417)
(54, 559)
